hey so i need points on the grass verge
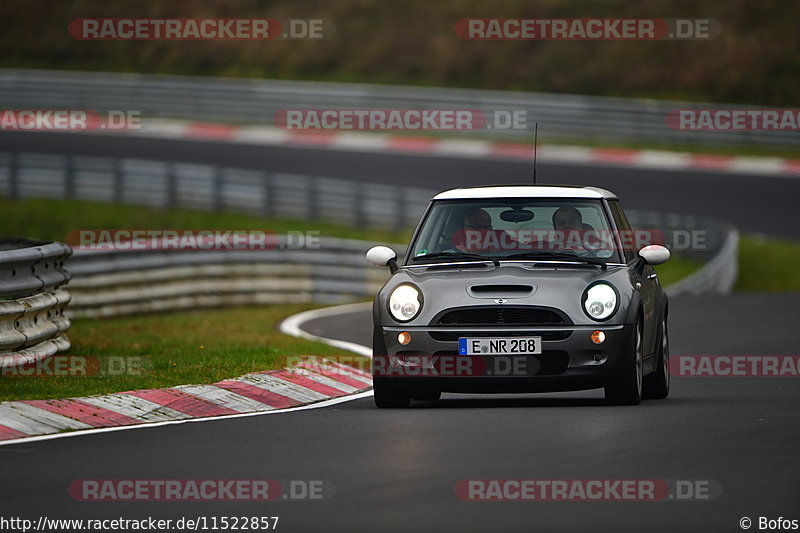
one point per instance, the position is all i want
(173, 349)
(676, 269)
(768, 264)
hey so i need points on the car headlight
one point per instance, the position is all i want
(405, 301)
(600, 301)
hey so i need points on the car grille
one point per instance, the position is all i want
(449, 336)
(501, 315)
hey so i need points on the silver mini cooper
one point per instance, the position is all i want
(523, 288)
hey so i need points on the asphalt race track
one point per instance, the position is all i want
(395, 470)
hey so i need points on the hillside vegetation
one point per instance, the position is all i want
(755, 60)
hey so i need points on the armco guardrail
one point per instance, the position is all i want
(32, 320)
(717, 276)
(110, 283)
(571, 117)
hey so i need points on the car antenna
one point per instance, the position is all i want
(535, 136)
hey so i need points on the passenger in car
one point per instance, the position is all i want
(470, 236)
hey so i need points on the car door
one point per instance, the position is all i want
(643, 277)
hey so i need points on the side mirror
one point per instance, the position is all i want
(654, 254)
(383, 256)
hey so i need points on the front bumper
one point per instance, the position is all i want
(569, 359)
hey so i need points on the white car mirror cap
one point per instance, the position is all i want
(380, 255)
(654, 254)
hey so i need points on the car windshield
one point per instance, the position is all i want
(515, 229)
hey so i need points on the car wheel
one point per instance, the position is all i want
(426, 395)
(389, 395)
(626, 389)
(656, 385)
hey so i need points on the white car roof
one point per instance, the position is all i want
(525, 191)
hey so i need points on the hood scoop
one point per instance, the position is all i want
(501, 291)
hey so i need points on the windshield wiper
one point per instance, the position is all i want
(559, 255)
(456, 255)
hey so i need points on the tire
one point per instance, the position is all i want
(388, 395)
(626, 389)
(656, 385)
(426, 395)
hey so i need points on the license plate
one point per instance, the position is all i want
(500, 346)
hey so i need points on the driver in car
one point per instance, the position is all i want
(471, 236)
(477, 234)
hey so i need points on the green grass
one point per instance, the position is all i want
(54, 219)
(768, 264)
(765, 264)
(175, 349)
(676, 269)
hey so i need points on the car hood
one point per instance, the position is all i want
(556, 285)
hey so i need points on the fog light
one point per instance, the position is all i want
(598, 337)
(598, 357)
(404, 337)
